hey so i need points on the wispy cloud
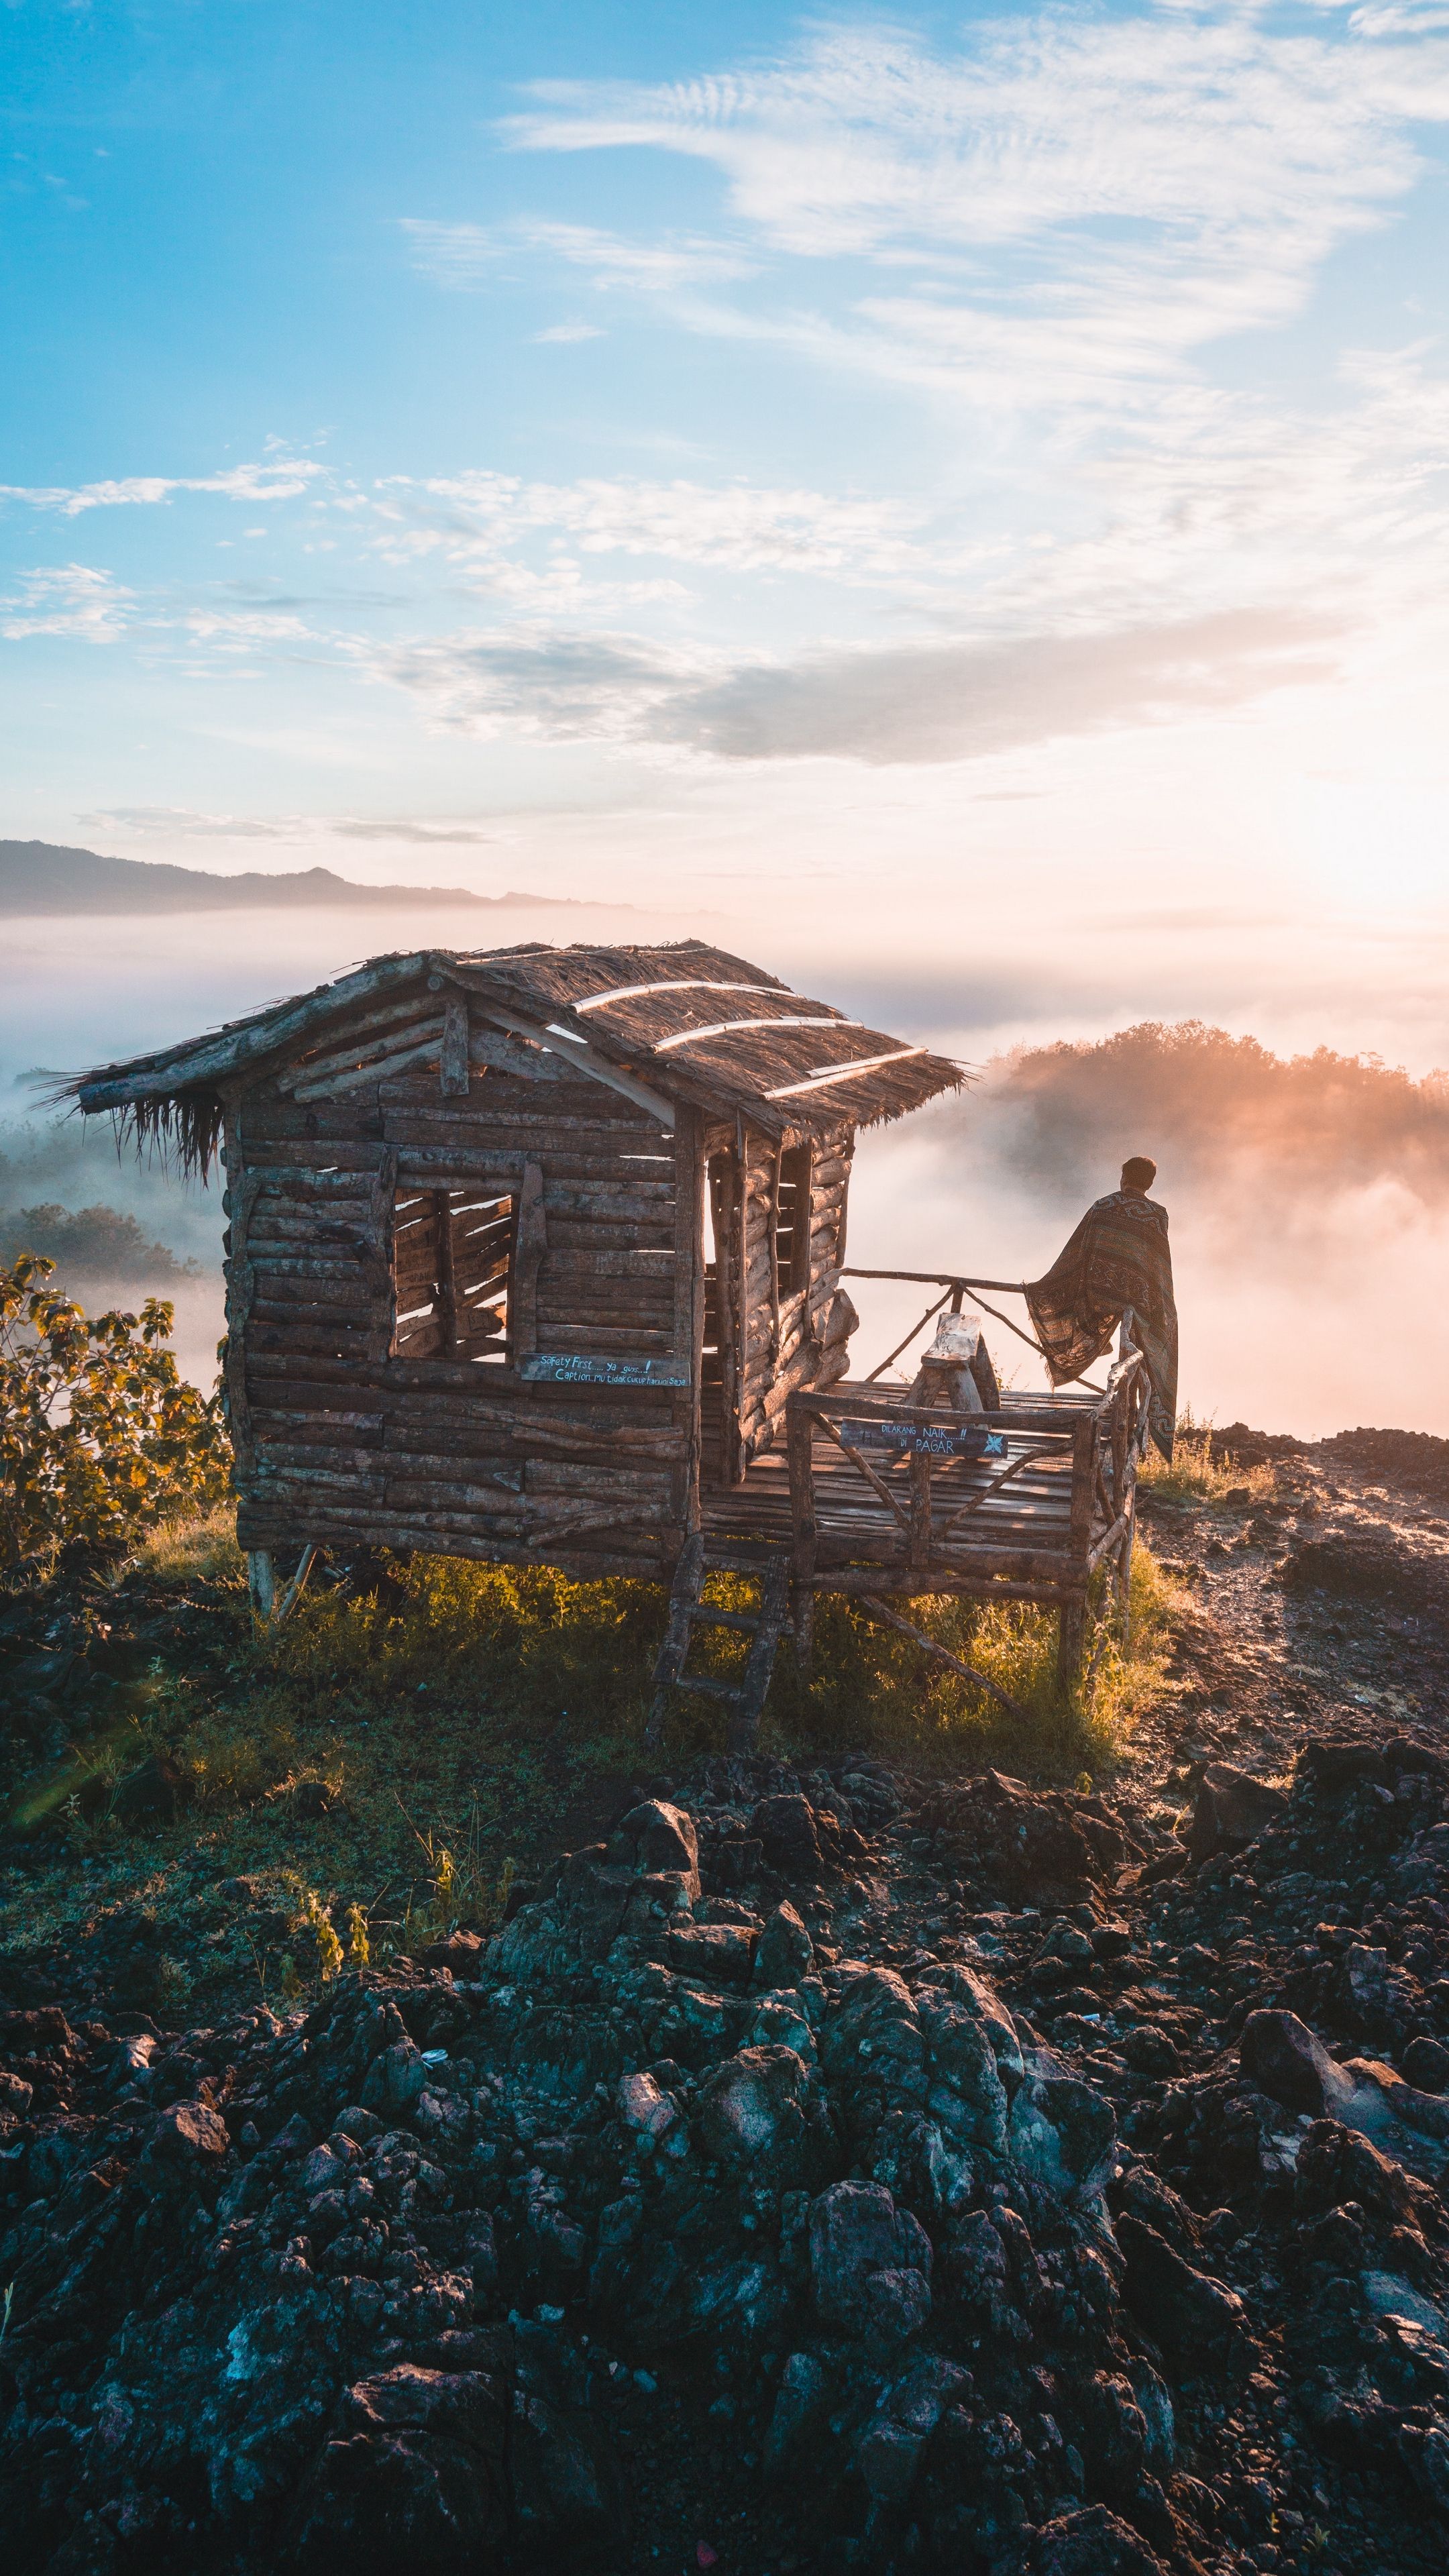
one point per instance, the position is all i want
(1084, 201)
(67, 599)
(280, 480)
(740, 525)
(185, 823)
(464, 256)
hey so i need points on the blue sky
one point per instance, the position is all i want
(968, 486)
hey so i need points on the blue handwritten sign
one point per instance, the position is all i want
(926, 1439)
(589, 1368)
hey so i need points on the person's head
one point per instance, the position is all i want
(1138, 1173)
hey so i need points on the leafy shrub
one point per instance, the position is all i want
(101, 1438)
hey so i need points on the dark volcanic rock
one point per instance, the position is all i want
(1232, 1809)
(870, 2263)
(786, 1831)
(1094, 2543)
(1197, 2322)
(1031, 1847)
(1285, 2059)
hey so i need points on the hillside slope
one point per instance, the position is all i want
(42, 877)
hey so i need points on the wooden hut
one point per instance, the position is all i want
(532, 1253)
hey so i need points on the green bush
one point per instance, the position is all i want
(101, 1438)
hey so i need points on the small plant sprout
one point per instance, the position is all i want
(359, 1949)
(445, 1885)
(329, 1948)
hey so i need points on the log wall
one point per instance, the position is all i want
(341, 1441)
(344, 1439)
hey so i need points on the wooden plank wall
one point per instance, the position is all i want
(339, 1442)
(782, 1346)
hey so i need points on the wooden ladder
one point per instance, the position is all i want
(744, 1696)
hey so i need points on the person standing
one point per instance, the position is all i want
(1118, 1258)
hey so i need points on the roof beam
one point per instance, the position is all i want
(230, 1051)
(574, 1051)
(844, 1072)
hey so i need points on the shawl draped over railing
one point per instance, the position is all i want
(1118, 1257)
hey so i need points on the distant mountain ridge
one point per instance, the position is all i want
(42, 877)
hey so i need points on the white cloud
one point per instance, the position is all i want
(563, 331)
(922, 701)
(281, 480)
(67, 599)
(236, 629)
(741, 525)
(548, 687)
(1085, 200)
(464, 255)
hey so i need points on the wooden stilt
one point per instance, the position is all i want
(261, 1581)
(1071, 1630)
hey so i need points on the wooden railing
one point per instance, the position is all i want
(1094, 1442)
(954, 1287)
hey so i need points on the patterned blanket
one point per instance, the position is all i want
(1118, 1257)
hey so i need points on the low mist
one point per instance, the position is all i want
(1308, 1195)
(1309, 1199)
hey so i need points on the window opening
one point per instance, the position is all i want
(716, 1233)
(792, 1222)
(453, 1273)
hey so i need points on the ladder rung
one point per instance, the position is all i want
(704, 1617)
(706, 1682)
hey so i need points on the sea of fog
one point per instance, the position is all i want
(1309, 1197)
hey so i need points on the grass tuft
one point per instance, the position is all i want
(1196, 1475)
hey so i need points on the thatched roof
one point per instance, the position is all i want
(683, 1022)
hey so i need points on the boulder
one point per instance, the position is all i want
(1061, 2131)
(1094, 2543)
(870, 2263)
(1232, 1810)
(785, 1952)
(1031, 1847)
(190, 2133)
(417, 2476)
(717, 1953)
(752, 2109)
(785, 1830)
(656, 1836)
(1287, 2061)
(1196, 2321)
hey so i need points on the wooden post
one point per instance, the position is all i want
(1071, 1627)
(689, 1189)
(920, 1532)
(530, 1242)
(800, 1453)
(453, 1053)
(447, 1284)
(773, 1222)
(262, 1582)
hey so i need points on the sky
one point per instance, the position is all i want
(953, 502)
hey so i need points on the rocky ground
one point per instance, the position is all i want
(827, 2171)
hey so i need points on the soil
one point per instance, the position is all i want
(819, 2170)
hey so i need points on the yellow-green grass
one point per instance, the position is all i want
(460, 1720)
(1198, 1474)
